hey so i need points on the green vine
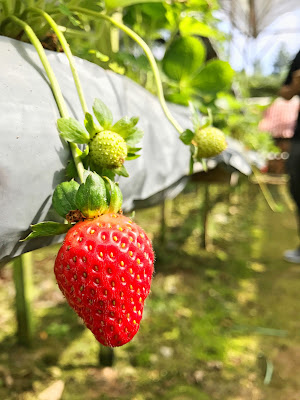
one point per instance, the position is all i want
(67, 51)
(54, 84)
(148, 53)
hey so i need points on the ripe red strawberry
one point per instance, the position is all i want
(104, 269)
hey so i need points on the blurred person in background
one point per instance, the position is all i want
(289, 89)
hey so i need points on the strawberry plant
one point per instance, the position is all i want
(105, 265)
(94, 208)
(188, 74)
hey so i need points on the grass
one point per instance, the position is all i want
(216, 321)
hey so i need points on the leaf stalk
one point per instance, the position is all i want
(145, 47)
(54, 84)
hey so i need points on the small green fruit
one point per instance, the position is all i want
(108, 150)
(210, 142)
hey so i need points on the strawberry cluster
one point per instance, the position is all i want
(104, 267)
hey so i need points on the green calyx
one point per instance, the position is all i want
(74, 202)
(94, 197)
(108, 145)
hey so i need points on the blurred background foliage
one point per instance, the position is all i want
(190, 50)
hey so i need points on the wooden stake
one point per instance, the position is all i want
(22, 273)
(106, 356)
(205, 213)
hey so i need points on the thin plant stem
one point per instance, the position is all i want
(67, 51)
(17, 7)
(264, 189)
(5, 6)
(54, 85)
(145, 47)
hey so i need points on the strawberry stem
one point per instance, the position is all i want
(54, 85)
(66, 48)
(145, 47)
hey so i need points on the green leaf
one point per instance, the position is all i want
(227, 102)
(195, 116)
(191, 26)
(91, 197)
(72, 131)
(89, 125)
(132, 156)
(217, 75)
(187, 136)
(109, 173)
(179, 98)
(103, 114)
(135, 136)
(183, 58)
(124, 126)
(65, 10)
(63, 198)
(47, 228)
(133, 149)
(113, 4)
(121, 171)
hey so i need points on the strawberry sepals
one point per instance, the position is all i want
(75, 203)
(91, 197)
(108, 145)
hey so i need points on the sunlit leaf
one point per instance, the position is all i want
(134, 137)
(122, 171)
(102, 113)
(112, 4)
(191, 26)
(183, 58)
(72, 131)
(47, 228)
(90, 125)
(215, 76)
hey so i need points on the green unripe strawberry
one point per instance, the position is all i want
(210, 142)
(108, 150)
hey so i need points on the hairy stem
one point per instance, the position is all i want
(67, 51)
(54, 85)
(148, 53)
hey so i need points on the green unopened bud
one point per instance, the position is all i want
(91, 197)
(116, 197)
